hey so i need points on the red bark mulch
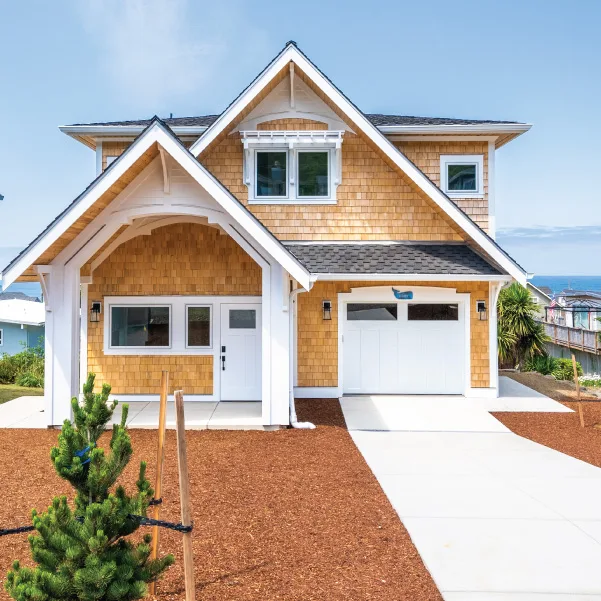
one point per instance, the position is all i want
(289, 515)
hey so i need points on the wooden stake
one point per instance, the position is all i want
(158, 487)
(577, 382)
(184, 491)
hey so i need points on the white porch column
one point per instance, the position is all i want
(276, 352)
(62, 344)
(493, 297)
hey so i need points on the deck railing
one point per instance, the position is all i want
(577, 338)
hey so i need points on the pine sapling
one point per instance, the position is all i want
(83, 552)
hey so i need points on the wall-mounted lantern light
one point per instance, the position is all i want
(482, 310)
(95, 311)
(327, 310)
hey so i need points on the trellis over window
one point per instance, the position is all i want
(292, 166)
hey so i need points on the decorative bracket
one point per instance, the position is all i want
(166, 173)
(43, 271)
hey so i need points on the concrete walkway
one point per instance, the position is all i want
(494, 516)
(28, 412)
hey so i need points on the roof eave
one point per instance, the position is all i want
(410, 277)
(474, 128)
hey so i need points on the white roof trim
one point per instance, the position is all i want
(125, 130)
(157, 133)
(481, 128)
(408, 277)
(292, 54)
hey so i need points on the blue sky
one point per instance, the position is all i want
(532, 61)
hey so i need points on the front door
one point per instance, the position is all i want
(240, 356)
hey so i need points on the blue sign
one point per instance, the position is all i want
(408, 295)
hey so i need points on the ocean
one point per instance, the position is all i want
(557, 283)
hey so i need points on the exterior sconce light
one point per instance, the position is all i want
(95, 311)
(327, 310)
(482, 310)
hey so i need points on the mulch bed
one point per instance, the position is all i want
(290, 515)
(559, 431)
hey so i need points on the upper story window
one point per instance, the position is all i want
(292, 167)
(462, 176)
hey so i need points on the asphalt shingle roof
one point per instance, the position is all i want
(398, 258)
(377, 119)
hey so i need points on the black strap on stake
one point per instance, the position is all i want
(16, 530)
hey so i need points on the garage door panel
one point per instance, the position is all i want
(425, 356)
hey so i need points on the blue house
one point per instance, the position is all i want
(21, 324)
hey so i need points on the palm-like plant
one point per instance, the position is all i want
(519, 335)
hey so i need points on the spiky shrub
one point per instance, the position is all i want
(83, 553)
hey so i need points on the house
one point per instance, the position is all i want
(21, 323)
(541, 298)
(292, 246)
(576, 309)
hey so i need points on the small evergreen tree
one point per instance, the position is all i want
(82, 553)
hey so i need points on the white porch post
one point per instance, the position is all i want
(276, 352)
(494, 289)
(62, 344)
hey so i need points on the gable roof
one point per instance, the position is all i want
(360, 123)
(157, 133)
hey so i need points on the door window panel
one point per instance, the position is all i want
(243, 319)
(433, 312)
(372, 312)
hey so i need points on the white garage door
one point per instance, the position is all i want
(403, 348)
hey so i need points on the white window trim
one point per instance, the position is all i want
(292, 143)
(462, 159)
(108, 321)
(211, 314)
(177, 331)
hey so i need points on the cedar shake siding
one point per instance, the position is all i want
(180, 259)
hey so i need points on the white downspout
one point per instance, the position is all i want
(293, 418)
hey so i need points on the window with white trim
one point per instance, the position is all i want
(198, 326)
(462, 176)
(292, 167)
(136, 326)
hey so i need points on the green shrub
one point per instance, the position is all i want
(29, 362)
(543, 364)
(29, 380)
(8, 370)
(564, 369)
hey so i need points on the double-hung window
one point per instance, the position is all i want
(462, 176)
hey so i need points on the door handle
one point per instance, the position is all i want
(222, 362)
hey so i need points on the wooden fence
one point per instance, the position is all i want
(577, 338)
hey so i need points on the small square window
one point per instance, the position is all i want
(313, 177)
(462, 175)
(198, 326)
(243, 319)
(462, 178)
(271, 174)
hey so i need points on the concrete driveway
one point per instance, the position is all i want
(494, 516)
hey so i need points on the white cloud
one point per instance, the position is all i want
(151, 49)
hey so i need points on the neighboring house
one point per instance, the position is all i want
(290, 246)
(576, 309)
(541, 298)
(21, 324)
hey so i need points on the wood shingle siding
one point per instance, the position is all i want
(179, 259)
(426, 155)
(318, 338)
(374, 201)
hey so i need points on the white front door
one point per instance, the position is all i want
(240, 352)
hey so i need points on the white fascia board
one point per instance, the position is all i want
(290, 53)
(22, 322)
(407, 277)
(156, 133)
(474, 128)
(125, 130)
